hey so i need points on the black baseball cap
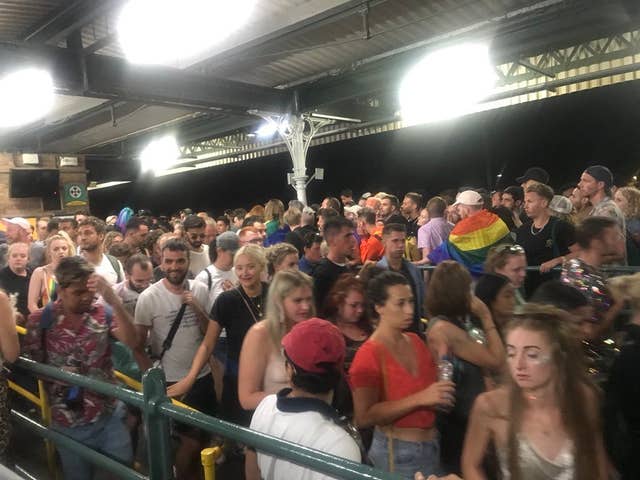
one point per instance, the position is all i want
(601, 174)
(534, 173)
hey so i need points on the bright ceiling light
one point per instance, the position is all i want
(267, 130)
(160, 154)
(447, 83)
(25, 96)
(170, 32)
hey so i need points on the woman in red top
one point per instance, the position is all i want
(394, 383)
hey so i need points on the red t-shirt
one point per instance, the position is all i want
(366, 372)
(371, 247)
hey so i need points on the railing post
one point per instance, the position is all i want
(154, 390)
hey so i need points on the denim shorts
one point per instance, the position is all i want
(408, 457)
(108, 435)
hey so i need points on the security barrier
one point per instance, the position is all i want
(158, 409)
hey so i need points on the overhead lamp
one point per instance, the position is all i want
(447, 83)
(25, 96)
(171, 32)
(267, 129)
(160, 154)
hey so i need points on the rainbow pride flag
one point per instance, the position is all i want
(470, 241)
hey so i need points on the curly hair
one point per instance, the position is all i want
(276, 254)
(632, 196)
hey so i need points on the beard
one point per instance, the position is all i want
(176, 277)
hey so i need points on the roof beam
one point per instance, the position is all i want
(112, 78)
(307, 15)
(68, 20)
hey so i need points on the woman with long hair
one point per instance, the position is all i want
(346, 308)
(42, 285)
(273, 215)
(394, 382)
(453, 336)
(498, 294)
(262, 369)
(545, 421)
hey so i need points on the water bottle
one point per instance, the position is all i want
(445, 370)
(445, 374)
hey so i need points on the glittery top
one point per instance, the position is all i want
(590, 281)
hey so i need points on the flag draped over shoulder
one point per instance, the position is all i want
(470, 241)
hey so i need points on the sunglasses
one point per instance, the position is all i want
(506, 247)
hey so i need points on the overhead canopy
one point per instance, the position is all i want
(335, 57)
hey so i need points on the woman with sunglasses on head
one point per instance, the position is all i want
(472, 353)
(545, 421)
(509, 261)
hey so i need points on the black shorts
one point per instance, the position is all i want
(202, 397)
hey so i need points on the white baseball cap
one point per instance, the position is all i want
(19, 221)
(469, 197)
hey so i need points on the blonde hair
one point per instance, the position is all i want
(632, 196)
(277, 253)
(255, 253)
(627, 286)
(61, 236)
(274, 210)
(283, 284)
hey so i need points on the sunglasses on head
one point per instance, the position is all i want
(511, 248)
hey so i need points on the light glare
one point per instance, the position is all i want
(25, 96)
(267, 130)
(170, 32)
(447, 83)
(160, 154)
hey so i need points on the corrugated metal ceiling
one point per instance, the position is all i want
(18, 16)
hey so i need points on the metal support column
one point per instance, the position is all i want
(154, 390)
(296, 131)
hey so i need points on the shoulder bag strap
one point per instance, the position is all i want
(166, 345)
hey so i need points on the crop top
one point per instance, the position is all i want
(366, 372)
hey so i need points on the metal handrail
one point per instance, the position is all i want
(157, 410)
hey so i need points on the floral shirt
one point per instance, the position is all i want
(608, 208)
(85, 349)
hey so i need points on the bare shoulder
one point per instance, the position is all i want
(258, 335)
(3, 296)
(494, 404)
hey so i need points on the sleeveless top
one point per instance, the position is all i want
(275, 375)
(534, 466)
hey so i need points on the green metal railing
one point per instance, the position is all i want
(157, 410)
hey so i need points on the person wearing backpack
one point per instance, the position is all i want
(73, 334)
(91, 232)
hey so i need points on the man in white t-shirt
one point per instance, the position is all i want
(138, 277)
(157, 309)
(91, 232)
(314, 350)
(194, 234)
(219, 276)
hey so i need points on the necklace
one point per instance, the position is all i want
(534, 233)
(253, 304)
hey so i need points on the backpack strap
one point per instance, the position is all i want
(115, 265)
(209, 278)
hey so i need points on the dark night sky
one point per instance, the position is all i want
(562, 134)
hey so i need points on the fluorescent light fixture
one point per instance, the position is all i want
(336, 118)
(170, 32)
(447, 83)
(160, 154)
(25, 96)
(99, 186)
